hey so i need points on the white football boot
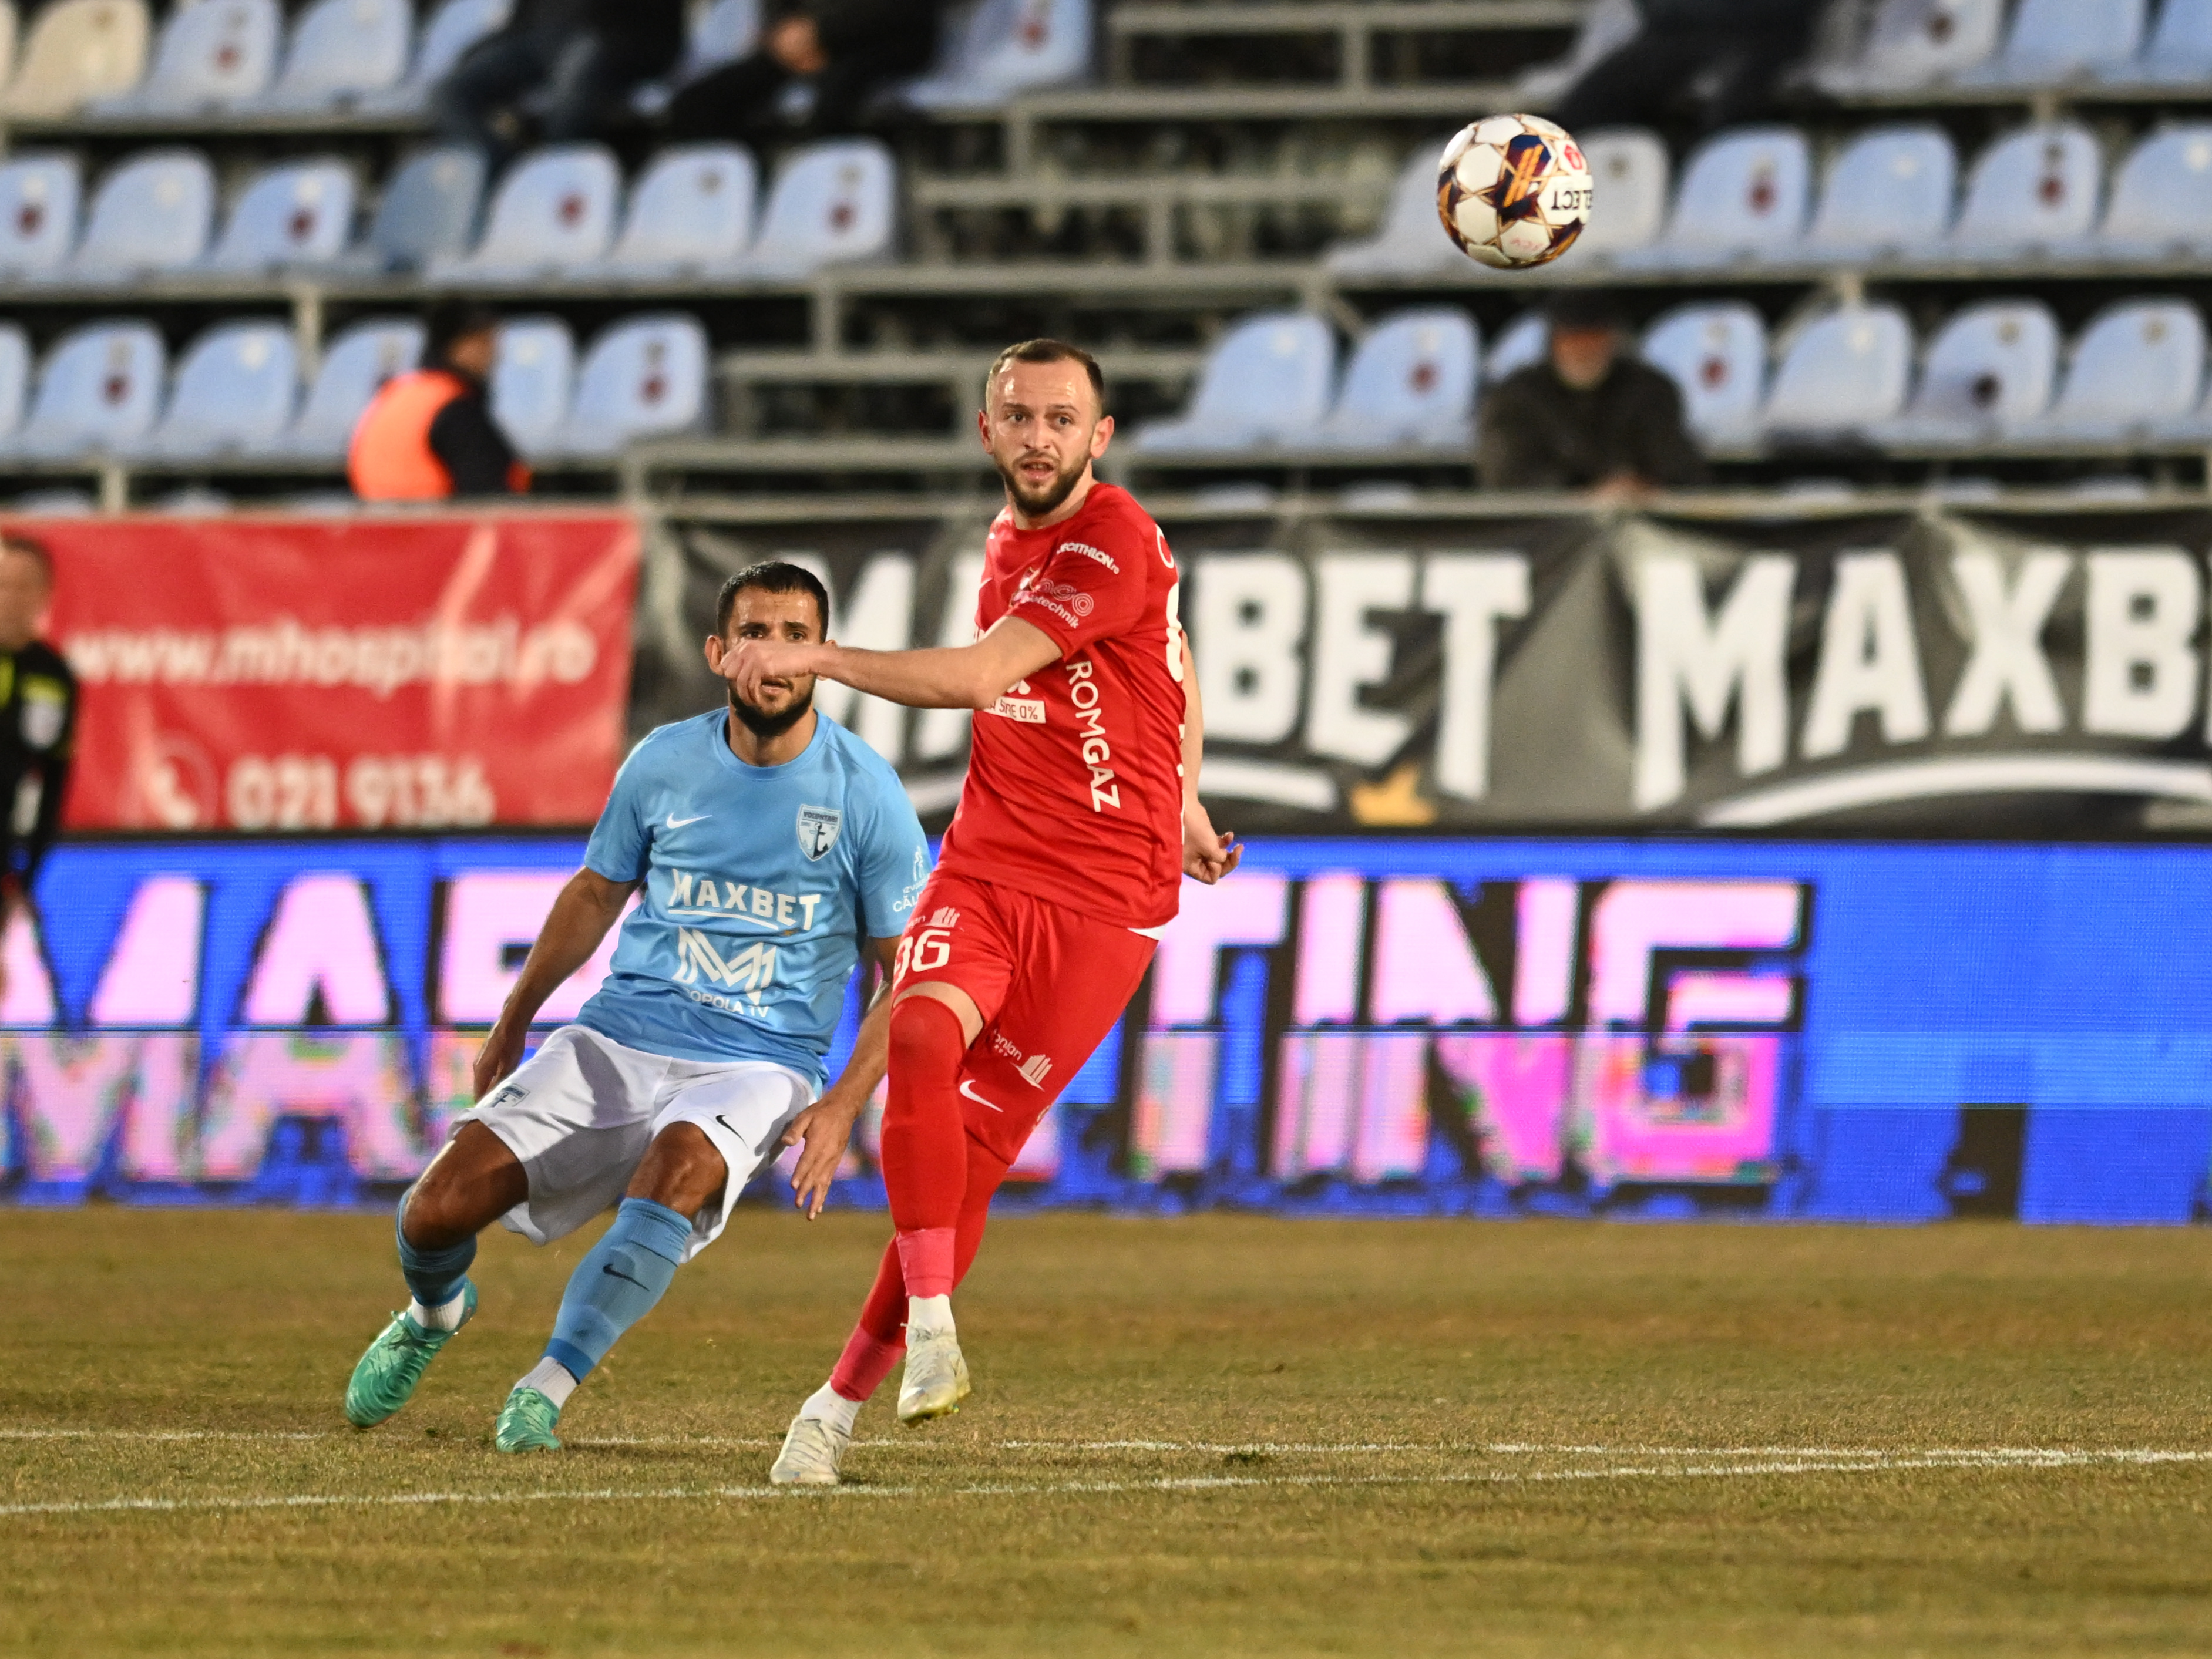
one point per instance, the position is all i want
(811, 1451)
(936, 1377)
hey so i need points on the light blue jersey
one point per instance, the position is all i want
(760, 883)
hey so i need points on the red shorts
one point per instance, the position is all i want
(1050, 984)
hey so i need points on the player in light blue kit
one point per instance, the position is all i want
(769, 843)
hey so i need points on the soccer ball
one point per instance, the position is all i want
(1513, 190)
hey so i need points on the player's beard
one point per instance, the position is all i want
(1042, 503)
(764, 725)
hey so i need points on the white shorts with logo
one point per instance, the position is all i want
(581, 1112)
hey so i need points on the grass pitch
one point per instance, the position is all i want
(1219, 1435)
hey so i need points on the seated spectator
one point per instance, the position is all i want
(570, 65)
(1718, 61)
(819, 62)
(1589, 416)
(429, 436)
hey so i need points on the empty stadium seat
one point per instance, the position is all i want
(98, 392)
(1629, 172)
(531, 377)
(1411, 239)
(152, 213)
(2161, 199)
(14, 381)
(2038, 188)
(39, 200)
(1890, 190)
(2056, 40)
(691, 210)
(2138, 364)
(298, 214)
(455, 26)
(77, 51)
(428, 210)
(1267, 381)
(1742, 192)
(554, 212)
(342, 51)
(2179, 48)
(718, 33)
(832, 203)
(1988, 373)
(1007, 47)
(1914, 42)
(644, 377)
(1715, 355)
(1522, 342)
(211, 54)
(356, 363)
(1847, 371)
(233, 393)
(1411, 381)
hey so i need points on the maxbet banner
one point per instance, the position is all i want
(314, 674)
(1981, 672)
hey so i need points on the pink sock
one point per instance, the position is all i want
(926, 1260)
(865, 1364)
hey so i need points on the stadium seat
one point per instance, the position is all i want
(717, 32)
(356, 363)
(1988, 373)
(1411, 381)
(1410, 240)
(832, 203)
(428, 210)
(2138, 364)
(2161, 199)
(2037, 189)
(39, 201)
(1267, 381)
(233, 393)
(2052, 41)
(2179, 49)
(1847, 371)
(9, 20)
(531, 380)
(455, 26)
(1915, 42)
(1629, 172)
(77, 51)
(1742, 192)
(1006, 47)
(553, 212)
(152, 213)
(690, 210)
(1890, 190)
(298, 214)
(1607, 26)
(211, 55)
(98, 392)
(1522, 342)
(1717, 355)
(14, 381)
(342, 51)
(644, 377)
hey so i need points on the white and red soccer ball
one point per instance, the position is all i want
(1513, 190)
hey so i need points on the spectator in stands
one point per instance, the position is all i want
(1589, 416)
(1721, 58)
(818, 64)
(429, 436)
(38, 724)
(572, 64)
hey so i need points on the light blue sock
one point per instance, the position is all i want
(616, 1283)
(434, 1276)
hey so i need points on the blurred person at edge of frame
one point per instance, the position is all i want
(1715, 63)
(430, 436)
(38, 724)
(1589, 415)
(818, 64)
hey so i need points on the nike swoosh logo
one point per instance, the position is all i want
(675, 823)
(968, 1090)
(612, 1273)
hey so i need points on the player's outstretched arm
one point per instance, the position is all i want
(587, 907)
(1207, 855)
(952, 677)
(823, 1128)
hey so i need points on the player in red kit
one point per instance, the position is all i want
(1079, 819)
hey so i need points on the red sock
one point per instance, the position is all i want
(865, 1364)
(925, 1257)
(880, 1337)
(925, 1145)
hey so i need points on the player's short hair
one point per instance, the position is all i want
(1048, 351)
(33, 550)
(771, 576)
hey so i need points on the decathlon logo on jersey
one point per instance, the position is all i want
(750, 971)
(693, 894)
(1090, 552)
(818, 829)
(1090, 724)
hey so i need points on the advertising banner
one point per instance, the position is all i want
(344, 673)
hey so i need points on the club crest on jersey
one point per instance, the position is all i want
(818, 829)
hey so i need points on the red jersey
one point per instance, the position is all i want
(1074, 791)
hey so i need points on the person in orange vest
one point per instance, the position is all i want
(430, 435)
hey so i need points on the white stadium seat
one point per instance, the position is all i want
(1267, 381)
(1890, 190)
(2161, 199)
(1847, 371)
(235, 393)
(428, 210)
(455, 26)
(690, 210)
(2037, 189)
(832, 203)
(2138, 364)
(211, 55)
(644, 377)
(1522, 342)
(342, 51)
(77, 51)
(553, 213)
(152, 213)
(1629, 172)
(14, 381)
(1915, 42)
(98, 392)
(2179, 49)
(1006, 47)
(531, 377)
(1411, 241)
(1742, 192)
(356, 363)
(1715, 355)
(2052, 41)
(1988, 373)
(298, 214)
(40, 195)
(1411, 381)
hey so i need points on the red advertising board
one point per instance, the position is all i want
(269, 674)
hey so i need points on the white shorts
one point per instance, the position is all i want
(581, 1112)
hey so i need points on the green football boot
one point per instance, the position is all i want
(385, 1378)
(525, 1423)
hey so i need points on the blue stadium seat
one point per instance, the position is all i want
(2179, 49)
(1846, 372)
(1988, 373)
(1411, 239)
(39, 200)
(98, 392)
(531, 377)
(644, 377)
(1267, 381)
(342, 51)
(1629, 170)
(356, 363)
(832, 203)
(716, 33)
(1715, 354)
(211, 55)
(1411, 381)
(553, 212)
(2052, 41)
(690, 210)
(2138, 365)
(2161, 200)
(1917, 43)
(298, 214)
(1522, 342)
(1891, 189)
(455, 26)
(428, 210)
(14, 381)
(1742, 192)
(2037, 189)
(233, 393)
(77, 51)
(1007, 47)
(151, 213)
